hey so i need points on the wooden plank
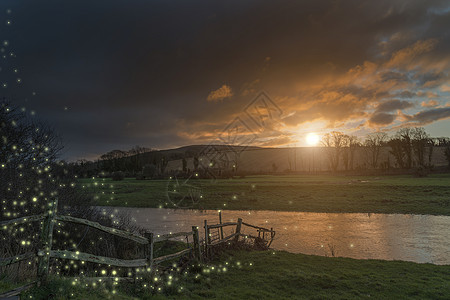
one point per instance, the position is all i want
(103, 279)
(64, 254)
(272, 235)
(220, 222)
(18, 290)
(163, 237)
(224, 240)
(206, 238)
(196, 243)
(170, 256)
(149, 251)
(22, 220)
(122, 233)
(238, 229)
(46, 240)
(15, 259)
(256, 227)
(222, 225)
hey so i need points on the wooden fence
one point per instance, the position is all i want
(45, 252)
(215, 238)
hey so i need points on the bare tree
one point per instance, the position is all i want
(28, 152)
(422, 146)
(348, 154)
(445, 142)
(374, 143)
(334, 142)
(401, 147)
(135, 154)
(405, 137)
(354, 144)
(397, 151)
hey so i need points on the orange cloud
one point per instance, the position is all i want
(407, 56)
(430, 103)
(220, 94)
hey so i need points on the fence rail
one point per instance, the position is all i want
(163, 237)
(49, 218)
(22, 220)
(219, 239)
(122, 233)
(15, 259)
(64, 254)
(45, 252)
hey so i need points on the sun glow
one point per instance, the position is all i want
(312, 139)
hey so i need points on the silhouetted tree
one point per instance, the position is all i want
(334, 143)
(374, 143)
(28, 152)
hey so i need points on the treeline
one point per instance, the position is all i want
(410, 148)
(139, 162)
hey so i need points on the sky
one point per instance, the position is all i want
(161, 74)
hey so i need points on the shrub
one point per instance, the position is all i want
(117, 176)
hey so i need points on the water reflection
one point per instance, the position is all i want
(418, 238)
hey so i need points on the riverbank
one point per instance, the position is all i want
(402, 194)
(277, 275)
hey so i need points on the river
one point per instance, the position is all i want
(417, 238)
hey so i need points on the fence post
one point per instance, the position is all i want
(207, 238)
(238, 229)
(197, 250)
(149, 251)
(220, 221)
(46, 242)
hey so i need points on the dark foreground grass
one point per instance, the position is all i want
(281, 275)
(312, 193)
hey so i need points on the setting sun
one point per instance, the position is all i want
(312, 139)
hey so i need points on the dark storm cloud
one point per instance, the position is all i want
(391, 105)
(429, 116)
(405, 94)
(140, 72)
(378, 119)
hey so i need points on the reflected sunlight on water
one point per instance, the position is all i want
(418, 238)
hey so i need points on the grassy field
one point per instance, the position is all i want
(279, 275)
(312, 193)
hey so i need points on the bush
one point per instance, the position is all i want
(117, 176)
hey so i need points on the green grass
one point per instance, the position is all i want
(312, 193)
(282, 275)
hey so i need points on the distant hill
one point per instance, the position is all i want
(248, 159)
